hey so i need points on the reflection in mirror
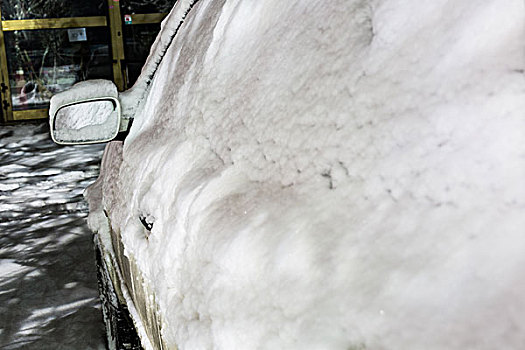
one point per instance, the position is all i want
(87, 121)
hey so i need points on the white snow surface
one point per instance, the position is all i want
(83, 90)
(331, 175)
(132, 99)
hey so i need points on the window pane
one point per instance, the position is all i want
(44, 62)
(146, 6)
(31, 9)
(137, 43)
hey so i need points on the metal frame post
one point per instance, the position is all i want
(117, 43)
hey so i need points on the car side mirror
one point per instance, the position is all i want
(88, 121)
(89, 112)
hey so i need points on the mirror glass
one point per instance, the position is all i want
(87, 122)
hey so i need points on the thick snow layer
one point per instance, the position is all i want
(83, 90)
(344, 174)
(132, 99)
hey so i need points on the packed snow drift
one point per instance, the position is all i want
(329, 175)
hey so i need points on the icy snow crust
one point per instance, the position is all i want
(332, 174)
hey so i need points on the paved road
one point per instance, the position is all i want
(48, 286)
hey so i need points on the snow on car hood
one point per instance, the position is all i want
(343, 174)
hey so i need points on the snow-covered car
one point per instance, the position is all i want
(310, 174)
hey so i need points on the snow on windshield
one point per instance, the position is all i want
(344, 175)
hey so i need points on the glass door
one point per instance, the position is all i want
(48, 45)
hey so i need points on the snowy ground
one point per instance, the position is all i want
(48, 287)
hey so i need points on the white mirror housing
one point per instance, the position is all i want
(89, 112)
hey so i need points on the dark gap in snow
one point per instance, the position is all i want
(147, 221)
